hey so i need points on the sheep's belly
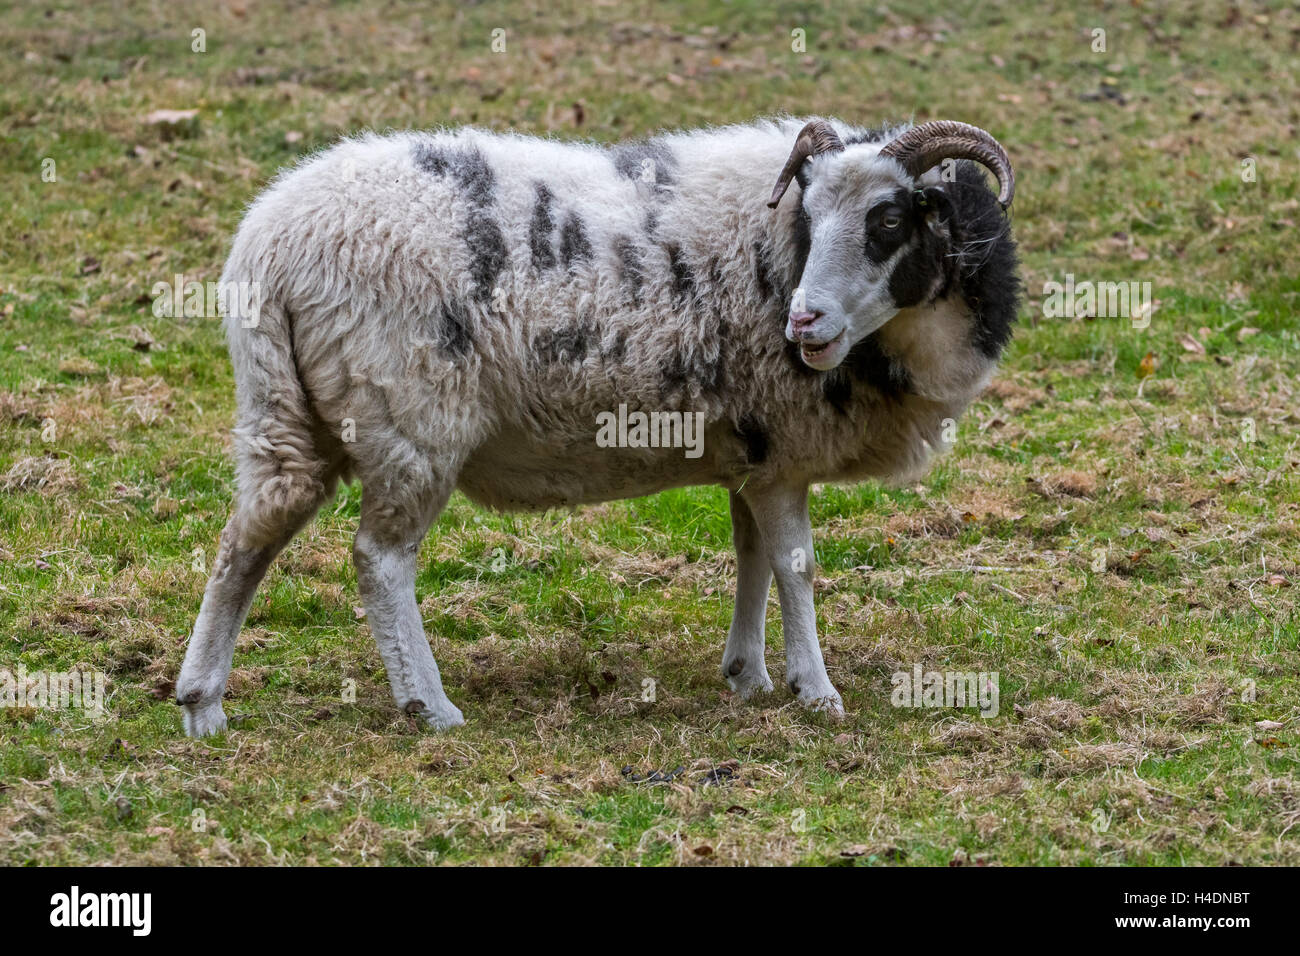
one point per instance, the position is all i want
(512, 475)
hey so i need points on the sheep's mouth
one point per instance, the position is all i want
(814, 353)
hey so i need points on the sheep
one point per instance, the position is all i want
(464, 309)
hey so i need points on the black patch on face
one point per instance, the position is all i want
(977, 256)
(539, 230)
(568, 344)
(751, 431)
(763, 271)
(880, 242)
(452, 332)
(487, 249)
(574, 245)
(633, 160)
(924, 271)
(683, 276)
(914, 278)
(988, 267)
(465, 164)
(630, 267)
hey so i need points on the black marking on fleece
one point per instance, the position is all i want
(837, 388)
(568, 344)
(452, 330)
(474, 178)
(678, 374)
(574, 245)
(870, 365)
(800, 227)
(713, 273)
(750, 430)
(634, 160)
(540, 229)
(631, 269)
(465, 164)
(763, 271)
(616, 350)
(876, 135)
(488, 255)
(683, 275)
(708, 375)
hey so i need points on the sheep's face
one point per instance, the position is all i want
(873, 251)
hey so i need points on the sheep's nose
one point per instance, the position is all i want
(802, 321)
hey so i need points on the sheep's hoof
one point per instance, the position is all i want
(826, 702)
(744, 682)
(443, 715)
(203, 719)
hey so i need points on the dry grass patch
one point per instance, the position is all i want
(45, 473)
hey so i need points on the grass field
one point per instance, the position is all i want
(1121, 547)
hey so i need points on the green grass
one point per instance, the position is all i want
(1126, 731)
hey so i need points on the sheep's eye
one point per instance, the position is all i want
(891, 222)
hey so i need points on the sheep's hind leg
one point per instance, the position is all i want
(265, 519)
(743, 663)
(394, 520)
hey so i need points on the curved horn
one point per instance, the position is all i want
(816, 137)
(926, 145)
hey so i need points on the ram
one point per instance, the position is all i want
(462, 309)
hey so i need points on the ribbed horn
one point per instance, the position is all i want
(816, 137)
(924, 146)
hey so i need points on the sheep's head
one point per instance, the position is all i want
(879, 223)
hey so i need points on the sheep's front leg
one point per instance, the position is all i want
(743, 665)
(781, 514)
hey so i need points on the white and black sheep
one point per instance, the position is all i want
(461, 309)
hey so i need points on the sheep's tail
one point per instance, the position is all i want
(280, 472)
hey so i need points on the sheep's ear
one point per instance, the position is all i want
(935, 209)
